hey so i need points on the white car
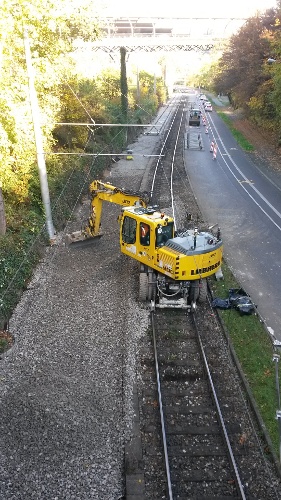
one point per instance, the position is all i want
(203, 97)
(208, 107)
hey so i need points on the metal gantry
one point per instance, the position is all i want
(151, 34)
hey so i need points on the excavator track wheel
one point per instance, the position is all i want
(194, 291)
(203, 290)
(143, 287)
(151, 286)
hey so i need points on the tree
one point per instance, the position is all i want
(123, 84)
(53, 29)
(240, 69)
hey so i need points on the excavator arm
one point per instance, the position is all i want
(100, 192)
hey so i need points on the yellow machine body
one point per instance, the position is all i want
(190, 257)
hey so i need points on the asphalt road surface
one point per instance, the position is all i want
(245, 201)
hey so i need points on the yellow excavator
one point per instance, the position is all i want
(173, 267)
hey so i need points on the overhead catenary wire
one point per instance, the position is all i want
(102, 154)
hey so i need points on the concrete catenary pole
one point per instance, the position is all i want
(38, 140)
(2, 213)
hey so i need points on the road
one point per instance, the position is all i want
(245, 202)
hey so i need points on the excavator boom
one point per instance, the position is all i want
(100, 192)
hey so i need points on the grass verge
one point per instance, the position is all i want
(246, 145)
(254, 349)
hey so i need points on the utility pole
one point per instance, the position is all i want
(2, 213)
(138, 85)
(38, 140)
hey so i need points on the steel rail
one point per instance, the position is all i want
(171, 124)
(221, 419)
(238, 482)
(164, 439)
(219, 413)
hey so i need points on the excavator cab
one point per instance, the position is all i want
(143, 230)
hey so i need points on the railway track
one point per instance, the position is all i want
(168, 182)
(199, 438)
(197, 463)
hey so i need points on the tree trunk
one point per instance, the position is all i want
(2, 215)
(124, 84)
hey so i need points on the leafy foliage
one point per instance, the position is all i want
(53, 31)
(249, 71)
(241, 66)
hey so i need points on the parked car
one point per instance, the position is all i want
(208, 107)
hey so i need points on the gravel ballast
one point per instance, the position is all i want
(67, 383)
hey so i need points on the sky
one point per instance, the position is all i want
(214, 8)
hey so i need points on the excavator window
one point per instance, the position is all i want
(164, 233)
(129, 230)
(144, 233)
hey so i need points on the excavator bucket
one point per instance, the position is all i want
(80, 239)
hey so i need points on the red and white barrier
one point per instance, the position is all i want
(212, 146)
(215, 151)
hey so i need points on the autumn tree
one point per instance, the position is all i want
(272, 95)
(52, 30)
(240, 69)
